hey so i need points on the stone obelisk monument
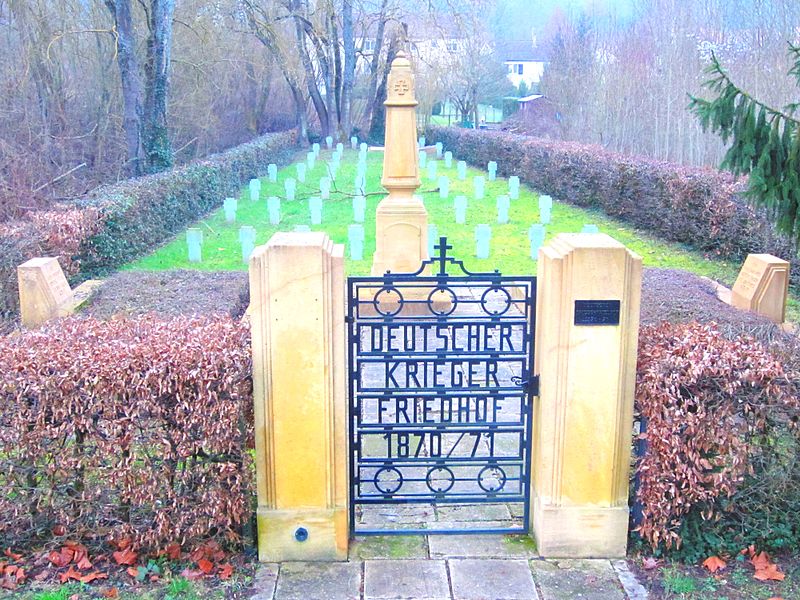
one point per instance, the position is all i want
(401, 221)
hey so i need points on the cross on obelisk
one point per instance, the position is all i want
(401, 221)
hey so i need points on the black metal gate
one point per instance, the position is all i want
(440, 399)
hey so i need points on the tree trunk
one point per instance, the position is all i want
(348, 82)
(156, 135)
(310, 74)
(377, 127)
(132, 121)
(372, 86)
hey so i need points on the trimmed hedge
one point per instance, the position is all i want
(116, 223)
(702, 208)
(133, 429)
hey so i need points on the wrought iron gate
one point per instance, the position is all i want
(440, 377)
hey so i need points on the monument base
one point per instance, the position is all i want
(302, 535)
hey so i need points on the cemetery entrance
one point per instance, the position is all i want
(441, 386)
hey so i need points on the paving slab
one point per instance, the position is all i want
(584, 579)
(481, 546)
(406, 579)
(307, 580)
(488, 579)
(389, 547)
(264, 581)
(473, 512)
(631, 585)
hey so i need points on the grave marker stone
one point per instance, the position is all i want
(432, 170)
(302, 228)
(325, 187)
(355, 239)
(272, 172)
(483, 237)
(362, 156)
(361, 169)
(230, 209)
(301, 172)
(363, 148)
(43, 291)
(590, 228)
(545, 202)
(423, 159)
(255, 189)
(545, 215)
(421, 141)
(461, 209)
(536, 237)
(762, 286)
(444, 187)
(274, 207)
(359, 208)
(315, 149)
(479, 184)
(513, 187)
(311, 160)
(290, 186)
(503, 205)
(439, 149)
(315, 205)
(329, 142)
(448, 159)
(353, 142)
(433, 237)
(340, 148)
(360, 185)
(492, 170)
(247, 238)
(194, 242)
(462, 170)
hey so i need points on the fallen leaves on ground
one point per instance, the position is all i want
(649, 563)
(714, 563)
(765, 569)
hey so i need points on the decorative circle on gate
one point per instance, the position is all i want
(388, 301)
(495, 301)
(440, 479)
(388, 480)
(442, 301)
(492, 478)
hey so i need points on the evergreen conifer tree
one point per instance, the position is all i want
(765, 143)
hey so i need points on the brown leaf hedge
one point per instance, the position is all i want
(135, 428)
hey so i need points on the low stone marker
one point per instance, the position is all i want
(315, 205)
(194, 242)
(513, 187)
(432, 170)
(448, 160)
(462, 170)
(360, 185)
(503, 205)
(340, 148)
(359, 208)
(536, 237)
(290, 186)
(361, 169)
(421, 141)
(255, 189)
(315, 149)
(545, 209)
(461, 209)
(301, 172)
(492, 168)
(274, 208)
(362, 147)
(247, 239)
(44, 292)
(333, 167)
(301, 228)
(479, 183)
(311, 160)
(355, 240)
(423, 159)
(353, 142)
(439, 149)
(229, 206)
(590, 228)
(272, 172)
(444, 187)
(762, 286)
(329, 142)
(362, 154)
(483, 237)
(433, 238)
(325, 187)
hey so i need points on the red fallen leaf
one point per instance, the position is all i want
(59, 530)
(191, 575)
(41, 575)
(197, 554)
(90, 577)
(714, 563)
(123, 543)
(21, 576)
(112, 593)
(8, 583)
(70, 574)
(206, 566)
(775, 598)
(154, 578)
(12, 555)
(174, 551)
(60, 559)
(769, 573)
(125, 557)
(85, 564)
(760, 560)
(649, 563)
(133, 571)
(10, 569)
(225, 571)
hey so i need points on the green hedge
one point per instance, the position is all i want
(116, 223)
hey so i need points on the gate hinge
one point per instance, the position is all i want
(348, 319)
(533, 385)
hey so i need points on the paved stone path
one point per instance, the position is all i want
(447, 567)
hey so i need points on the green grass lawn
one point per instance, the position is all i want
(510, 250)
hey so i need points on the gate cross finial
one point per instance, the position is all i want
(442, 259)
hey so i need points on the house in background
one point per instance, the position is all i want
(524, 60)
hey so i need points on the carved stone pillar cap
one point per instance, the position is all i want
(400, 84)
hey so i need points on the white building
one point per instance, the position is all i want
(524, 61)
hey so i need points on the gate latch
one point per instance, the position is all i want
(531, 385)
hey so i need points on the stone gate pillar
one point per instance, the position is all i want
(587, 316)
(297, 293)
